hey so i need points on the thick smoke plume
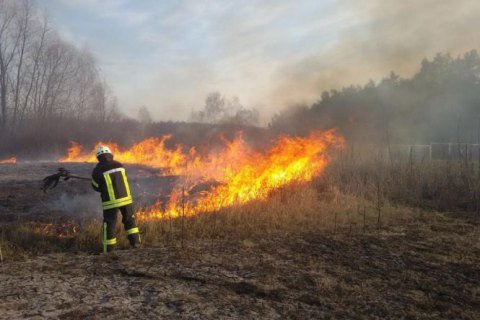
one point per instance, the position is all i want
(378, 37)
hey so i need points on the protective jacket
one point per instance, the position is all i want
(109, 178)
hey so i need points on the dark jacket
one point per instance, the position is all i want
(110, 179)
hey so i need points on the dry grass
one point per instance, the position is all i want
(359, 193)
(297, 208)
(363, 241)
(415, 270)
(290, 210)
(440, 185)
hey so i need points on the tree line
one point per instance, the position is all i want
(44, 78)
(440, 103)
(51, 91)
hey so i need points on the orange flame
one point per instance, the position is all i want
(243, 175)
(11, 160)
(150, 152)
(63, 230)
(239, 173)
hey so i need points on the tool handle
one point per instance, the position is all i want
(77, 177)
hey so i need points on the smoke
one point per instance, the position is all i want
(379, 36)
(271, 54)
(77, 205)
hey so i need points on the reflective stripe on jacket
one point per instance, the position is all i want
(117, 188)
(109, 178)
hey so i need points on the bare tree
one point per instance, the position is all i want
(219, 109)
(9, 41)
(144, 115)
(41, 75)
(23, 24)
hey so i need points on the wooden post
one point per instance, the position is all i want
(379, 216)
(379, 203)
(478, 168)
(185, 181)
(2, 237)
(364, 218)
(183, 213)
(335, 223)
(411, 158)
(1, 259)
(478, 146)
(466, 154)
(349, 222)
(170, 222)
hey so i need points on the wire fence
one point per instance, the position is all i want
(436, 151)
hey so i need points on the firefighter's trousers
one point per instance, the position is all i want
(109, 223)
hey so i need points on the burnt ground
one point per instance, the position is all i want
(420, 271)
(21, 196)
(426, 269)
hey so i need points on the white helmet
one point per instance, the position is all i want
(102, 150)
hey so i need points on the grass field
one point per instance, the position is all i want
(359, 242)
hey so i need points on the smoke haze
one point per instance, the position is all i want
(219, 63)
(381, 36)
(271, 54)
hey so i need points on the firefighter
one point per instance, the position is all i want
(110, 179)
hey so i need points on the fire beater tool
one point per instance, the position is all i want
(51, 181)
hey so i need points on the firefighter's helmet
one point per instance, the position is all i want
(102, 150)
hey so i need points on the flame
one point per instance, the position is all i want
(63, 230)
(150, 152)
(11, 160)
(234, 175)
(242, 174)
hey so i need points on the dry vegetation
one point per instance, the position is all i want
(290, 210)
(422, 268)
(371, 240)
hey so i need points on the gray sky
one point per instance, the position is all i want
(168, 55)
